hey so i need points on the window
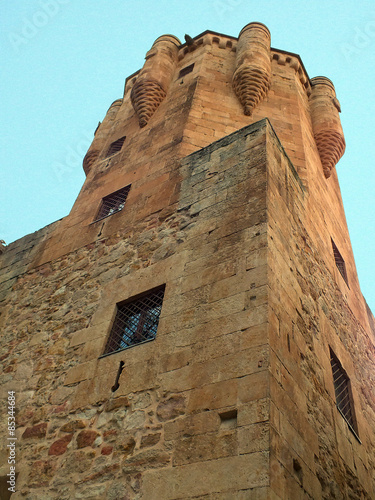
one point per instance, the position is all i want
(115, 147)
(136, 321)
(340, 263)
(113, 203)
(186, 71)
(343, 394)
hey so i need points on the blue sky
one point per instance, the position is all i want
(65, 61)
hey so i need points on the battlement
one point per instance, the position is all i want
(243, 72)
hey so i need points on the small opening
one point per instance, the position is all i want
(115, 147)
(296, 465)
(340, 263)
(186, 70)
(298, 469)
(229, 44)
(228, 419)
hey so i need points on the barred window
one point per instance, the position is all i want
(113, 203)
(115, 147)
(136, 321)
(343, 395)
(340, 263)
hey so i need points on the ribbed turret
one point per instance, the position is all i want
(252, 77)
(154, 78)
(101, 136)
(328, 134)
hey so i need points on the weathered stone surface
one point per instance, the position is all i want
(78, 461)
(73, 425)
(190, 449)
(150, 439)
(37, 431)
(41, 473)
(59, 447)
(104, 474)
(116, 403)
(171, 408)
(126, 446)
(86, 438)
(106, 450)
(145, 460)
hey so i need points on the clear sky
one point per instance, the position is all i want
(65, 61)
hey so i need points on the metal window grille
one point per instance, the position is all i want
(186, 70)
(113, 203)
(342, 392)
(340, 263)
(136, 322)
(115, 147)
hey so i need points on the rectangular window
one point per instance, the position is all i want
(136, 321)
(340, 263)
(343, 395)
(113, 203)
(186, 70)
(115, 147)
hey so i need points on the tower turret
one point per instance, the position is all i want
(252, 77)
(328, 133)
(155, 77)
(101, 136)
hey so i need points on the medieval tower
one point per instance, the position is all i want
(194, 328)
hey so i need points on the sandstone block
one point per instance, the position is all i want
(146, 460)
(207, 478)
(80, 372)
(173, 407)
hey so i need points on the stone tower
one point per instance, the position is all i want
(194, 328)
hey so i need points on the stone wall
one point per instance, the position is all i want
(314, 454)
(192, 408)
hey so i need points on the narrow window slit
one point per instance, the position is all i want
(340, 263)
